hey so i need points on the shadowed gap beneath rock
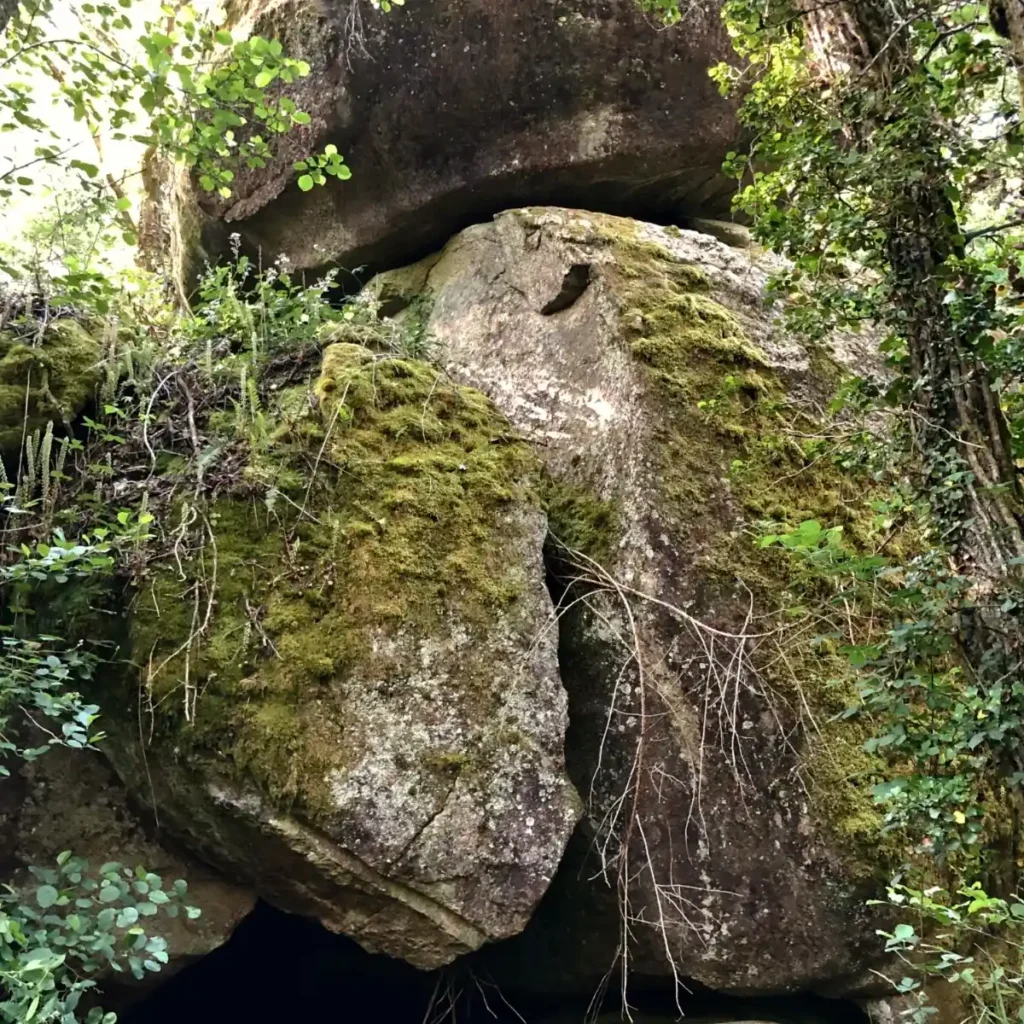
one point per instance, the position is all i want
(574, 284)
(279, 967)
(605, 187)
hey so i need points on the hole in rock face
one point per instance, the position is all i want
(281, 968)
(574, 284)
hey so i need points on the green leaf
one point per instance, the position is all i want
(109, 893)
(46, 896)
(90, 170)
(127, 917)
(305, 182)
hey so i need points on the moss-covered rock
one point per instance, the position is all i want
(48, 377)
(348, 659)
(674, 419)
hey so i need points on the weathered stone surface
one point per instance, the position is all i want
(725, 231)
(72, 800)
(723, 807)
(453, 109)
(370, 727)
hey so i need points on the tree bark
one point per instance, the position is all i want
(1007, 17)
(953, 408)
(7, 9)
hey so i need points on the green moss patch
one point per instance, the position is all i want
(733, 464)
(53, 379)
(579, 520)
(380, 510)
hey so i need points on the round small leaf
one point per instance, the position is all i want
(46, 896)
(109, 893)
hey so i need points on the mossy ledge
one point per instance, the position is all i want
(374, 508)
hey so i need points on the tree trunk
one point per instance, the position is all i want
(954, 411)
(956, 414)
(1007, 17)
(7, 9)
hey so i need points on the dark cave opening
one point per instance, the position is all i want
(281, 967)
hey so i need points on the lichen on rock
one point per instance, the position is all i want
(349, 664)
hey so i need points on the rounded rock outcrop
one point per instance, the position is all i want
(348, 678)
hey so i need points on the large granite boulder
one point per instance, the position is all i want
(350, 690)
(449, 110)
(729, 818)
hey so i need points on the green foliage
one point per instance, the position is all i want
(316, 169)
(186, 87)
(946, 939)
(361, 322)
(71, 924)
(68, 926)
(259, 309)
(40, 677)
(180, 84)
(54, 248)
(945, 731)
(825, 198)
